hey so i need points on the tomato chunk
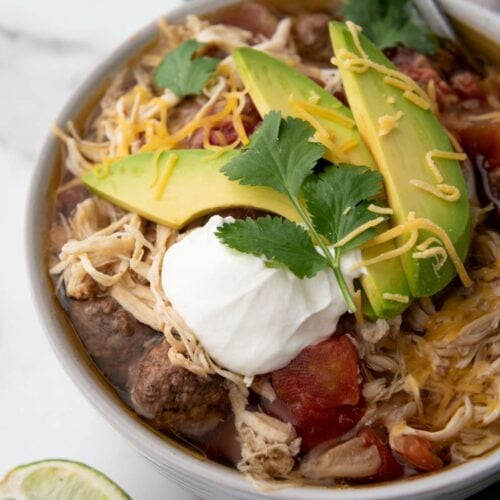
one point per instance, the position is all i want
(319, 391)
(482, 139)
(417, 451)
(389, 468)
(328, 424)
(321, 377)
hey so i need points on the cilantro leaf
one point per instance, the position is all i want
(182, 74)
(390, 22)
(279, 241)
(280, 156)
(337, 202)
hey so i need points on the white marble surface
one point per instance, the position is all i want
(46, 47)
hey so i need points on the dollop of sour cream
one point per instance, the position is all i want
(250, 318)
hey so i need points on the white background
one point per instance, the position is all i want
(46, 47)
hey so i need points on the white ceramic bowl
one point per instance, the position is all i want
(204, 478)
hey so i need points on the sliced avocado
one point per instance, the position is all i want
(400, 157)
(194, 188)
(272, 84)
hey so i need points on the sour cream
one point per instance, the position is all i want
(249, 317)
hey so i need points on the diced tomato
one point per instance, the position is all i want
(250, 16)
(417, 451)
(318, 392)
(250, 118)
(419, 68)
(329, 424)
(316, 427)
(389, 468)
(482, 139)
(321, 377)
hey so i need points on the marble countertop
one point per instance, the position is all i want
(46, 47)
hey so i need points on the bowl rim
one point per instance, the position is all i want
(171, 459)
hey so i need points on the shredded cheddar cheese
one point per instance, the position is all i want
(443, 191)
(391, 254)
(454, 361)
(327, 113)
(438, 252)
(454, 142)
(396, 297)
(431, 92)
(387, 123)
(156, 166)
(417, 100)
(322, 135)
(427, 243)
(348, 145)
(165, 176)
(444, 155)
(380, 210)
(412, 226)
(359, 230)
(313, 97)
(361, 63)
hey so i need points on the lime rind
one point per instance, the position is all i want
(59, 480)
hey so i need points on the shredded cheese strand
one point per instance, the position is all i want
(412, 91)
(438, 252)
(322, 135)
(156, 165)
(406, 247)
(326, 113)
(380, 210)
(443, 191)
(387, 123)
(396, 297)
(428, 242)
(348, 145)
(165, 176)
(359, 230)
(443, 155)
(425, 224)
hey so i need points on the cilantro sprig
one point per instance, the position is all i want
(282, 156)
(280, 241)
(390, 22)
(182, 74)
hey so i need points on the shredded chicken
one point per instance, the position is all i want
(448, 376)
(350, 459)
(227, 38)
(268, 445)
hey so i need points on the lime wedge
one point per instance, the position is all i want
(58, 480)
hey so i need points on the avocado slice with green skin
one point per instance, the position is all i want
(400, 157)
(271, 83)
(194, 188)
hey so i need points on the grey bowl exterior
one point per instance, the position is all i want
(204, 478)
